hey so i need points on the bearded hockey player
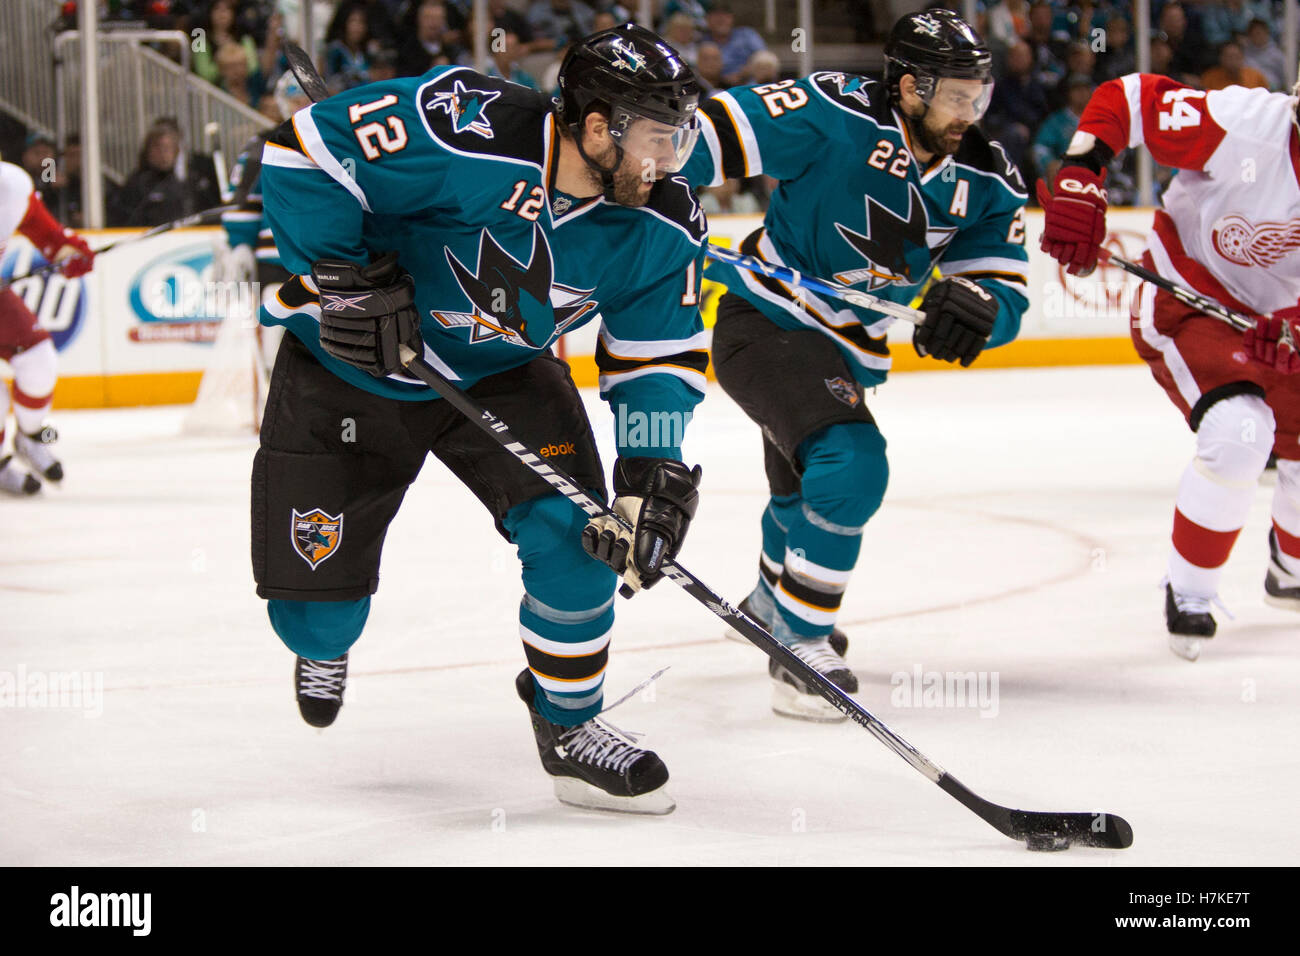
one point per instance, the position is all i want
(1229, 227)
(466, 217)
(26, 346)
(879, 183)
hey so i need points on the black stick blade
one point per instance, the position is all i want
(304, 72)
(1105, 830)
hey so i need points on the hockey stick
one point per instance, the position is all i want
(1040, 830)
(823, 286)
(197, 219)
(1201, 303)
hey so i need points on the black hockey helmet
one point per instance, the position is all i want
(631, 74)
(631, 67)
(932, 45)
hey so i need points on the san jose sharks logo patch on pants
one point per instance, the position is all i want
(316, 535)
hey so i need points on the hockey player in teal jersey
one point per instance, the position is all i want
(468, 218)
(879, 184)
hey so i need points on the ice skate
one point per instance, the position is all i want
(35, 450)
(759, 606)
(14, 480)
(319, 686)
(792, 698)
(1281, 587)
(594, 766)
(1189, 622)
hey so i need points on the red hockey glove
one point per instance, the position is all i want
(1273, 340)
(58, 245)
(1075, 212)
(74, 258)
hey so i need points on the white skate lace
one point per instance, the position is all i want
(819, 654)
(1192, 604)
(322, 679)
(601, 745)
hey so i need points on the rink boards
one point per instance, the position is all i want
(139, 329)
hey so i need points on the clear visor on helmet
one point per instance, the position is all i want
(658, 147)
(965, 99)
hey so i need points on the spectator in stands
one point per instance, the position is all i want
(729, 198)
(429, 44)
(153, 194)
(196, 170)
(1259, 51)
(605, 20)
(1162, 56)
(65, 200)
(1232, 70)
(383, 65)
(763, 67)
(737, 44)
(234, 78)
(379, 23)
(1080, 18)
(1079, 58)
(38, 159)
(708, 67)
(1008, 24)
(505, 62)
(697, 10)
(1117, 57)
(1221, 22)
(347, 58)
(1047, 47)
(512, 21)
(1019, 104)
(1190, 52)
(221, 25)
(680, 32)
(561, 21)
(1055, 133)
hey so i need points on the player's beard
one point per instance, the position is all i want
(628, 181)
(935, 139)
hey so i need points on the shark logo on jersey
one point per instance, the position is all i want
(1009, 168)
(852, 87)
(516, 301)
(315, 534)
(628, 58)
(465, 106)
(884, 245)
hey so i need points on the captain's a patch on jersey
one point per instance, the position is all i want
(315, 534)
(843, 390)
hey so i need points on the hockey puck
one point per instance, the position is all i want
(1047, 842)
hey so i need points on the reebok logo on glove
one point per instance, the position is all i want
(341, 303)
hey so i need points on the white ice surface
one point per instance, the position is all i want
(1024, 534)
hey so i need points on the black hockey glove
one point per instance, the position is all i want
(658, 498)
(366, 312)
(959, 317)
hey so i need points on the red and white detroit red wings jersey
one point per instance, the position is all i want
(15, 197)
(1230, 226)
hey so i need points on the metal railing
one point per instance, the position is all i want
(137, 85)
(27, 32)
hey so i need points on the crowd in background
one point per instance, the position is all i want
(1048, 59)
